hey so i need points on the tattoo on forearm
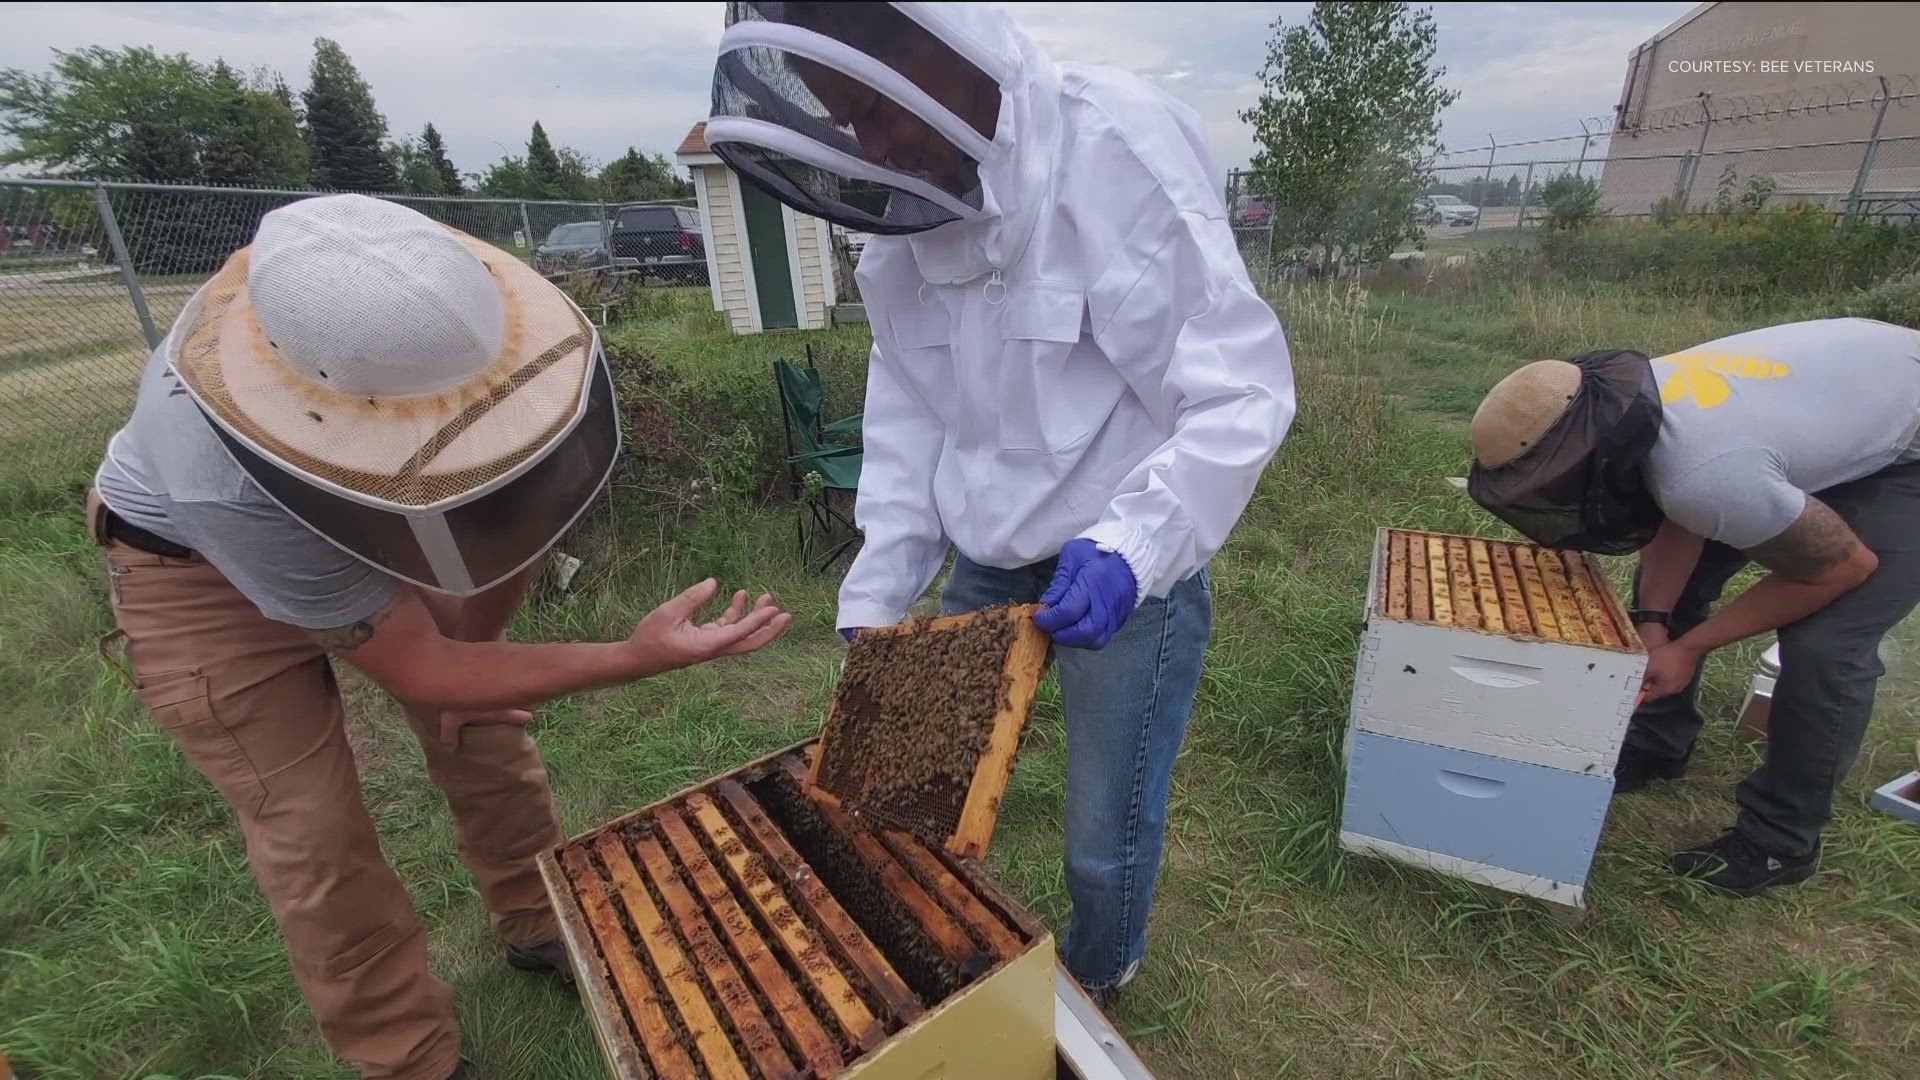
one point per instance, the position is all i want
(1816, 542)
(350, 637)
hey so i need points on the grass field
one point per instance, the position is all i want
(132, 943)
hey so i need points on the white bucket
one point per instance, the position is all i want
(1756, 709)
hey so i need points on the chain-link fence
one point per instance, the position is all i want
(1851, 149)
(92, 275)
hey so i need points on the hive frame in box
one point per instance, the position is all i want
(1488, 709)
(1026, 662)
(1459, 674)
(1001, 1020)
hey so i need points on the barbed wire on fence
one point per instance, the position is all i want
(1862, 95)
(1899, 91)
(93, 273)
(1491, 195)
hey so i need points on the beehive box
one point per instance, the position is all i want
(925, 723)
(743, 930)
(1494, 685)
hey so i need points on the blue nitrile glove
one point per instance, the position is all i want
(848, 632)
(1090, 598)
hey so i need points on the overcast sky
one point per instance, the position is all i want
(601, 77)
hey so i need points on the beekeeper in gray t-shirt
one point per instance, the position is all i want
(1791, 446)
(358, 439)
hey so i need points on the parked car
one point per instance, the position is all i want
(1250, 212)
(1448, 210)
(577, 245)
(662, 240)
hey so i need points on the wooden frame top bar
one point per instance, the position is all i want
(1498, 587)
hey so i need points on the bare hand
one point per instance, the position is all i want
(452, 720)
(1669, 669)
(669, 638)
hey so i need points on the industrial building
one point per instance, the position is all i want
(1818, 103)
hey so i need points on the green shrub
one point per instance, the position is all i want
(1896, 300)
(1746, 251)
(1571, 201)
(699, 411)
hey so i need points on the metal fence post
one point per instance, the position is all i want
(1872, 151)
(125, 262)
(1700, 150)
(1526, 195)
(1486, 180)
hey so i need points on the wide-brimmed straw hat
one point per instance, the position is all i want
(370, 347)
(369, 353)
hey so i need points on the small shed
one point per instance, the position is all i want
(769, 268)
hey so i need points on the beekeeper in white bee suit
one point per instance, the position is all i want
(1073, 382)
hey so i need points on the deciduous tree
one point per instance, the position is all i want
(1346, 125)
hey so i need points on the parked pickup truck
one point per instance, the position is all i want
(664, 241)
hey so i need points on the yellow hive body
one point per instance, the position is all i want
(718, 935)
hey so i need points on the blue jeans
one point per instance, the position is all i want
(1126, 709)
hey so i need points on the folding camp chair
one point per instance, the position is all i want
(815, 447)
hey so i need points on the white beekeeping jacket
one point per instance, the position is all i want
(1073, 349)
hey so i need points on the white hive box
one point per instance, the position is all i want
(1494, 685)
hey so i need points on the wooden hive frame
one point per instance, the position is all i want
(1020, 679)
(1498, 587)
(707, 946)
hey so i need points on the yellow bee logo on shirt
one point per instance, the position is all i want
(1702, 376)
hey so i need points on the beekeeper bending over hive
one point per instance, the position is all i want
(1072, 383)
(358, 440)
(1794, 447)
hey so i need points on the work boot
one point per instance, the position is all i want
(1737, 866)
(1637, 768)
(546, 958)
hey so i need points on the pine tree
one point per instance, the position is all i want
(160, 152)
(252, 137)
(543, 165)
(415, 167)
(231, 156)
(633, 177)
(436, 150)
(346, 133)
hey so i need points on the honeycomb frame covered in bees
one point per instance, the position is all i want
(926, 721)
(744, 930)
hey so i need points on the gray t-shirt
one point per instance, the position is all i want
(167, 472)
(1753, 423)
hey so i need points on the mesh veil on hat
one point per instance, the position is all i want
(1566, 471)
(797, 83)
(402, 388)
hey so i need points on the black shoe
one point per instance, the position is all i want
(1107, 996)
(1734, 864)
(546, 958)
(1637, 768)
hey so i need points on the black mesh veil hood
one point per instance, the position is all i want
(1580, 486)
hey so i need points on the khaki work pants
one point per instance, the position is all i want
(253, 705)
